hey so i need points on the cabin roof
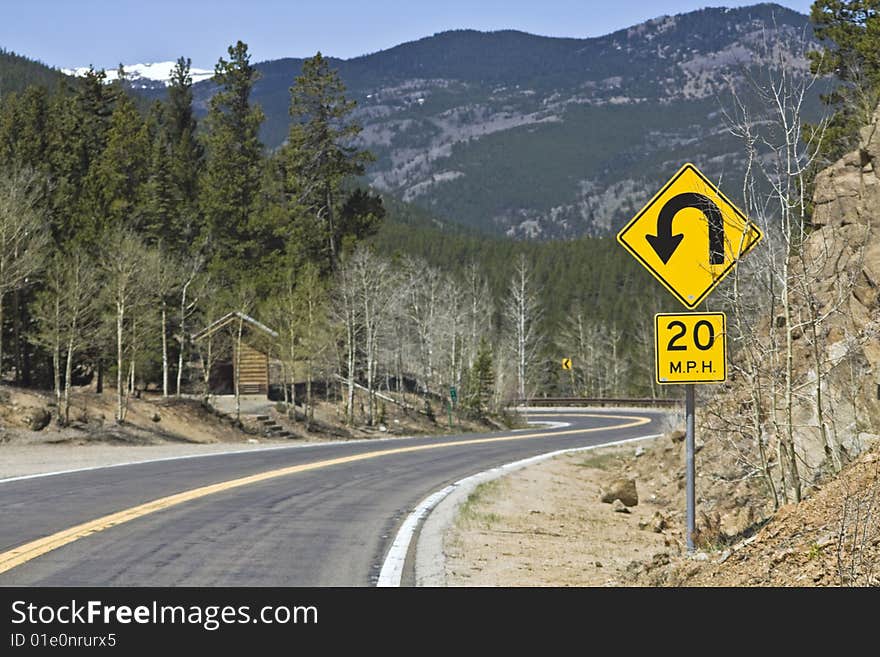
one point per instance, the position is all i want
(228, 319)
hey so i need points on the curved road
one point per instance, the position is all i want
(312, 515)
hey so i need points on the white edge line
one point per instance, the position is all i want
(392, 568)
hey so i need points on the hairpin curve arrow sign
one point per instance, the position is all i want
(689, 236)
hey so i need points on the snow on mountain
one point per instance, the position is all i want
(146, 75)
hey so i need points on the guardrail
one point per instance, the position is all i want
(597, 401)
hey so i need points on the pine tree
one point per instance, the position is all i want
(79, 127)
(186, 156)
(231, 182)
(159, 198)
(23, 128)
(319, 157)
(480, 380)
(850, 34)
(115, 184)
(68, 159)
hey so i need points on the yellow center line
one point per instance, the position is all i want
(24, 553)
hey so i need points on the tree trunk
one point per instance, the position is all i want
(56, 376)
(284, 379)
(68, 368)
(182, 336)
(207, 362)
(120, 315)
(789, 391)
(236, 375)
(131, 369)
(310, 410)
(2, 295)
(164, 350)
(68, 372)
(369, 346)
(292, 356)
(331, 229)
(16, 334)
(349, 405)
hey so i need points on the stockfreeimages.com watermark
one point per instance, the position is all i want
(209, 617)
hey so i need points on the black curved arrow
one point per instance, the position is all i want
(665, 243)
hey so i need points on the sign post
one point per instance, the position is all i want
(566, 365)
(690, 348)
(690, 504)
(689, 236)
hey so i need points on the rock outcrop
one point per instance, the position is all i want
(842, 256)
(836, 365)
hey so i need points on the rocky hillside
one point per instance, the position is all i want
(835, 414)
(831, 539)
(546, 137)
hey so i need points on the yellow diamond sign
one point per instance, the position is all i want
(689, 236)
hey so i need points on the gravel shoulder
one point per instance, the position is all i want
(545, 525)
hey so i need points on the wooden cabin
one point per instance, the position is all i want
(257, 340)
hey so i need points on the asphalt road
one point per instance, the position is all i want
(325, 525)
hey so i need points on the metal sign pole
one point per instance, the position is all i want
(689, 459)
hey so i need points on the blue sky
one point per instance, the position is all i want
(67, 33)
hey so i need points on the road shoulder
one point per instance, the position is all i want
(539, 524)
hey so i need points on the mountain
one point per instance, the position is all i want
(545, 137)
(17, 72)
(154, 75)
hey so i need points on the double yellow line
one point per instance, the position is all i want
(24, 553)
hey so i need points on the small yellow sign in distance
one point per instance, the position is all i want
(566, 363)
(689, 236)
(690, 347)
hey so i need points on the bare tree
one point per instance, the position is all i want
(23, 236)
(423, 286)
(215, 346)
(190, 290)
(347, 310)
(477, 302)
(376, 287)
(123, 266)
(67, 315)
(773, 298)
(311, 305)
(282, 313)
(164, 273)
(859, 535)
(522, 312)
(244, 303)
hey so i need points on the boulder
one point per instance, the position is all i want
(623, 490)
(36, 419)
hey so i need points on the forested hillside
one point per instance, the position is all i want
(18, 72)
